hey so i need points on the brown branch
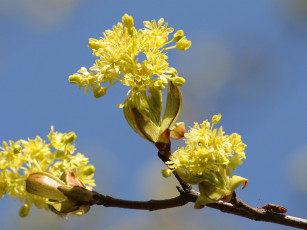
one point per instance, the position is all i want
(188, 194)
(260, 214)
(238, 208)
(151, 205)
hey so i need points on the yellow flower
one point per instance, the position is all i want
(136, 58)
(183, 44)
(20, 158)
(207, 160)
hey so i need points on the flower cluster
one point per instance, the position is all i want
(21, 158)
(136, 58)
(207, 160)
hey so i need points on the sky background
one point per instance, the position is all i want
(247, 61)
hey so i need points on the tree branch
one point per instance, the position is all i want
(188, 194)
(151, 205)
(238, 208)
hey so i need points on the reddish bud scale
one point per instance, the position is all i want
(275, 208)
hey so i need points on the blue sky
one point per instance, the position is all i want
(247, 62)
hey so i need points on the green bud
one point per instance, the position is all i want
(178, 81)
(88, 170)
(70, 138)
(62, 207)
(17, 149)
(99, 92)
(128, 21)
(77, 193)
(24, 210)
(44, 185)
(183, 44)
(166, 172)
(74, 79)
(59, 154)
(159, 85)
(178, 35)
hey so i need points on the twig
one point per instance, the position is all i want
(188, 194)
(239, 209)
(237, 206)
(151, 205)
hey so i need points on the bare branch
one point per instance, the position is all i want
(151, 205)
(239, 208)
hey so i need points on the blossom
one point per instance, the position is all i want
(136, 58)
(207, 160)
(21, 158)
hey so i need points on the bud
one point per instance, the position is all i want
(94, 44)
(63, 207)
(44, 185)
(70, 138)
(183, 44)
(128, 21)
(77, 194)
(59, 154)
(216, 118)
(24, 210)
(88, 170)
(99, 92)
(62, 198)
(160, 84)
(74, 79)
(178, 35)
(166, 172)
(17, 149)
(178, 81)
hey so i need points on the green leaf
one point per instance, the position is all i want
(129, 117)
(65, 206)
(145, 126)
(155, 104)
(236, 181)
(172, 108)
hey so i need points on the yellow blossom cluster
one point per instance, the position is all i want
(19, 159)
(136, 58)
(208, 158)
